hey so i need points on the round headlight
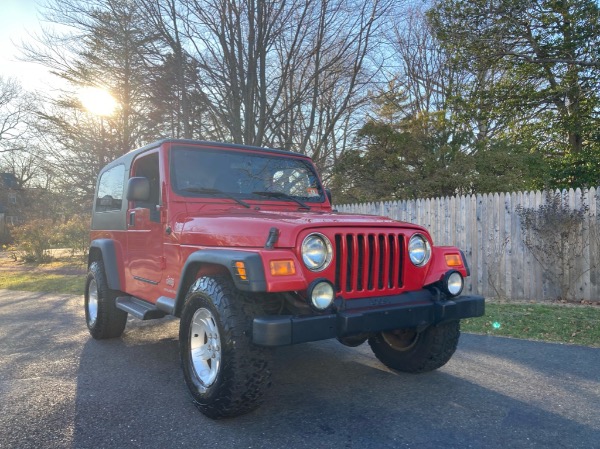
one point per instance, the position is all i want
(316, 252)
(321, 295)
(419, 250)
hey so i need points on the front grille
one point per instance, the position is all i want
(368, 262)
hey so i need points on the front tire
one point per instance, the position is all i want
(103, 318)
(224, 371)
(417, 352)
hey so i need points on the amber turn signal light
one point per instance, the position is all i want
(240, 269)
(282, 267)
(454, 260)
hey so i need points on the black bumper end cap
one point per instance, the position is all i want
(272, 330)
(458, 308)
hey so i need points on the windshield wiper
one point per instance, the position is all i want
(283, 196)
(214, 192)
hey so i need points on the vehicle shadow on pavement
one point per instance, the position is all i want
(59, 388)
(131, 394)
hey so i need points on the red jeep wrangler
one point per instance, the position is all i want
(241, 243)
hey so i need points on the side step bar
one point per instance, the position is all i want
(139, 308)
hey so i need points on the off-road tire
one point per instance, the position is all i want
(104, 320)
(426, 351)
(243, 374)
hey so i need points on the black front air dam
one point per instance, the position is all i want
(405, 311)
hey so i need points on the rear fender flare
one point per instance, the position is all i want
(112, 257)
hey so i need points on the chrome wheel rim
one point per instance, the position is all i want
(92, 304)
(401, 339)
(205, 347)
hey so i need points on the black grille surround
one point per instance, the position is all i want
(368, 263)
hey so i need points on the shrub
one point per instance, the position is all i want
(74, 234)
(34, 239)
(554, 234)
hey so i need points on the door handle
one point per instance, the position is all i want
(131, 219)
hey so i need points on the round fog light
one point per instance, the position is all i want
(322, 295)
(454, 283)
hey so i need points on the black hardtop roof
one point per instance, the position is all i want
(127, 158)
(229, 146)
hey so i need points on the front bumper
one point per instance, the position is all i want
(409, 310)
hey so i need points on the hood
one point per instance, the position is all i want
(250, 228)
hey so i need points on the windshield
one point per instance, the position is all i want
(199, 172)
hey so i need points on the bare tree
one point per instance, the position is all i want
(166, 18)
(279, 73)
(103, 44)
(15, 108)
(285, 73)
(422, 74)
(100, 43)
(24, 164)
(426, 79)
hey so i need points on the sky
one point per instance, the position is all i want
(19, 19)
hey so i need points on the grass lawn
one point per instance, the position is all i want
(40, 281)
(558, 323)
(62, 275)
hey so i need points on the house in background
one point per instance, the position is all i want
(11, 203)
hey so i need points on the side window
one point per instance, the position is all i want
(147, 167)
(110, 190)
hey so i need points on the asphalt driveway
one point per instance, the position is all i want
(61, 389)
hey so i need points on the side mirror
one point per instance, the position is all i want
(138, 189)
(328, 193)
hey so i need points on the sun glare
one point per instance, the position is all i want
(97, 101)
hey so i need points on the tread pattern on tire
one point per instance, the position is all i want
(434, 349)
(244, 373)
(111, 321)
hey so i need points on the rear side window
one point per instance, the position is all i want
(110, 189)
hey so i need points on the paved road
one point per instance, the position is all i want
(61, 389)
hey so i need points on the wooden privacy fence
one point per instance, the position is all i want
(489, 230)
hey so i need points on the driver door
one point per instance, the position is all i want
(145, 261)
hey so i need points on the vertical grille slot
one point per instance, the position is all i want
(373, 259)
(397, 260)
(368, 262)
(351, 262)
(363, 268)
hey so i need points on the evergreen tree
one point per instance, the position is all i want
(546, 55)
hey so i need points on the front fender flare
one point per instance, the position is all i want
(255, 273)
